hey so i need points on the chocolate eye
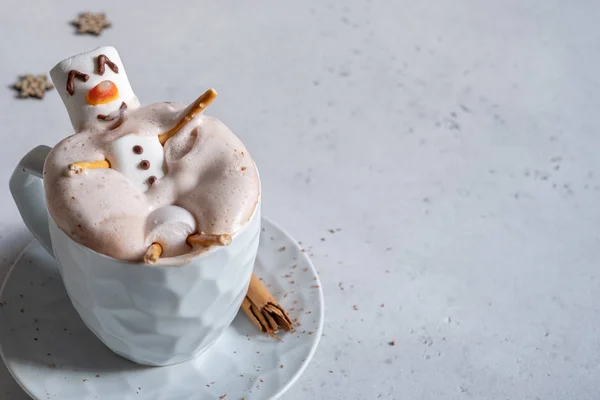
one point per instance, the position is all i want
(102, 61)
(73, 74)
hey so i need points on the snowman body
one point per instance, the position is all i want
(140, 158)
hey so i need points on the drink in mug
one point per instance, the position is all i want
(153, 213)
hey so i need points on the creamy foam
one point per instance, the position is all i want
(209, 176)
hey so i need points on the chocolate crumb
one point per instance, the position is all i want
(137, 149)
(84, 380)
(382, 305)
(52, 365)
(355, 307)
(222, 397)
(243, 168)
(392, 343)
(282, 248)
(145, 164)
(97, 375)
(152, 180)
(281, 366)
(322, 239)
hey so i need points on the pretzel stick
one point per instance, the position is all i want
(153, 253)
(79, 167)
(204, 240)
(200, 105)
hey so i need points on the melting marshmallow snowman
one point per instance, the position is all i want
(95, 90)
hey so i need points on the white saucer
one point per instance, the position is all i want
(52, 355)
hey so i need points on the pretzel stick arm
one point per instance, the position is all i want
(204, 240)
(79, 167)
(199, 105)
(153, 253)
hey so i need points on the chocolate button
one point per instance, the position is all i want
(145, 164)
(152, 179)
(138, 149)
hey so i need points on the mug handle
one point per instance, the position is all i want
(27, 189)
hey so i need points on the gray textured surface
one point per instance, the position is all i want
(454, 143)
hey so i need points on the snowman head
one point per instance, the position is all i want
(93, 86)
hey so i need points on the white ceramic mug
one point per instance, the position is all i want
(153, 315)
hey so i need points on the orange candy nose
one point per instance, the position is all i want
(102, 93)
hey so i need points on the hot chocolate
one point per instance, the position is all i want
(148, 182)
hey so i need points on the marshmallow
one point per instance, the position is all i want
(88, 94)
(140, 158)
(170, 226)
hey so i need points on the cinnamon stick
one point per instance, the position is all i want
(264, 311)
